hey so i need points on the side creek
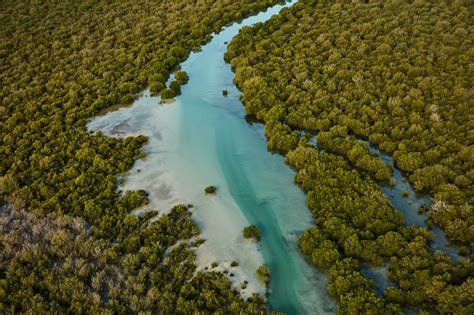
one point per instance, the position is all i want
(403, 197)
(406, 200)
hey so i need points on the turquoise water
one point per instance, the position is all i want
(203, 139)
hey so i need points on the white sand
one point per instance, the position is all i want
(171, 178)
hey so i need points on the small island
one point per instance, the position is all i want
(263, 274)
(209, 190)
(224, 92)
(251, 231)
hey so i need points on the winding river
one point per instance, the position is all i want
(202, 139)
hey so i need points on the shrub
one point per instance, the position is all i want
(175, 87)
(167, 94)
(210, 190)
(263, 274)
(181, 76)
(251, 231)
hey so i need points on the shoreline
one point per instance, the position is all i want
(166, 176)
(203, 139)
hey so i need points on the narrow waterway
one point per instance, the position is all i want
(405, 199)
(202, 139)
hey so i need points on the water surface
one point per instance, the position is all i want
(203, 139)
(406, 200)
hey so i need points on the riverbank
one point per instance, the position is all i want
(171, 178)
(203, 139)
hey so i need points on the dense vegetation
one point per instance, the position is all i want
(396, 73)
(356, 224)
(51, 264)
(79, 249)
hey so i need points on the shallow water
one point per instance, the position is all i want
(379, 276)
(203, 139)
(409, 204)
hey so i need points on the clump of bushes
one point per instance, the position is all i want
(167, 94)
(263, 274)
(198, 242)
(181, 76)
(134, 199)
(210, 189)
(175, 86)
(251, 231)
(149, 215)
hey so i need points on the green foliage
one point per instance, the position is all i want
(368, 70)
(210, 189)
(280, 137)
(263, 274)
(52, 263)
(53, 82)
(181, 76)
(354, 292)
(149, 215)
(251, 231)
(167, 94)
(348, 71)
(156, 87)
(61, 64)
(134, 199)
(337, 141)
(315, 244)
(175, 86)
